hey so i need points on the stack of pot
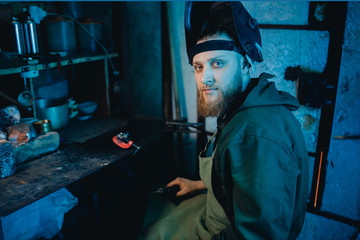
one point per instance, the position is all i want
(86, 43)
(62, 35)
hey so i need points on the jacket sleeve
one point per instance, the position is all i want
(264, 176)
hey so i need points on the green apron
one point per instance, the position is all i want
(213, 214)
(199, 217)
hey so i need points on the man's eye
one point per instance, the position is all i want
(197, 68)
(217, 63)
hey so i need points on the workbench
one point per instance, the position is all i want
(86, 147)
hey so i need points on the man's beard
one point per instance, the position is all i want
(221, 105)
(211, 109)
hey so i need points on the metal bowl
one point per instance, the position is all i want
(88, 107)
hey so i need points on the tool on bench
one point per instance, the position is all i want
(123, 141)
(166, 190)
(170, 193)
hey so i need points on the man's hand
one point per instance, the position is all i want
(186, 186)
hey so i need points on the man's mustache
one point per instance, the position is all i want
(207, 87)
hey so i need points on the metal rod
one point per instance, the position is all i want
(7, 97)
(318, 180)
(107, 84)
(32, 92)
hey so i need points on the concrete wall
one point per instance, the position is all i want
(342, 192)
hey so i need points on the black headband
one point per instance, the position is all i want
(213, 45)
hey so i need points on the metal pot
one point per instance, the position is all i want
(61, 35)
(57, 114)
(86, 42)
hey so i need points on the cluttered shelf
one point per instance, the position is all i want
(11, 63)
(86, 147)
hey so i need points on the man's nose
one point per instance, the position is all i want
(208, 77)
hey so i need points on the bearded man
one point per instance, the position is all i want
(255, 167)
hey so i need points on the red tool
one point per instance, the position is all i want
(123, 141)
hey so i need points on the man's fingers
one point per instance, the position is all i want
(176, 181)
(170, 184)
(180, 193)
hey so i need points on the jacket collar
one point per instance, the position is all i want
(260, 92)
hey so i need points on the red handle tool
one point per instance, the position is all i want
(123, 141)
(122, 144)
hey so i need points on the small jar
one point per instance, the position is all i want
(43, 126)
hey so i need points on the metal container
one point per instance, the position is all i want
(86, 42)
(57, 114)
(42, 126)
(61, 35)
(30, 36)
(17, 31)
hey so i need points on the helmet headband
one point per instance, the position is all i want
(213, 45)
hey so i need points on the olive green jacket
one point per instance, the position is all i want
(260, 167)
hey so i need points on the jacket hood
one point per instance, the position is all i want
(266, 94)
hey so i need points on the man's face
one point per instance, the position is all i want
(218, 76)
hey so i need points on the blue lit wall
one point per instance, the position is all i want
(342, 191)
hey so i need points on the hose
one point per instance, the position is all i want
(115, 72)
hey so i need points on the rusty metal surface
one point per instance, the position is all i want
(37, 178)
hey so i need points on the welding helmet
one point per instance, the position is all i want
(233, 15)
